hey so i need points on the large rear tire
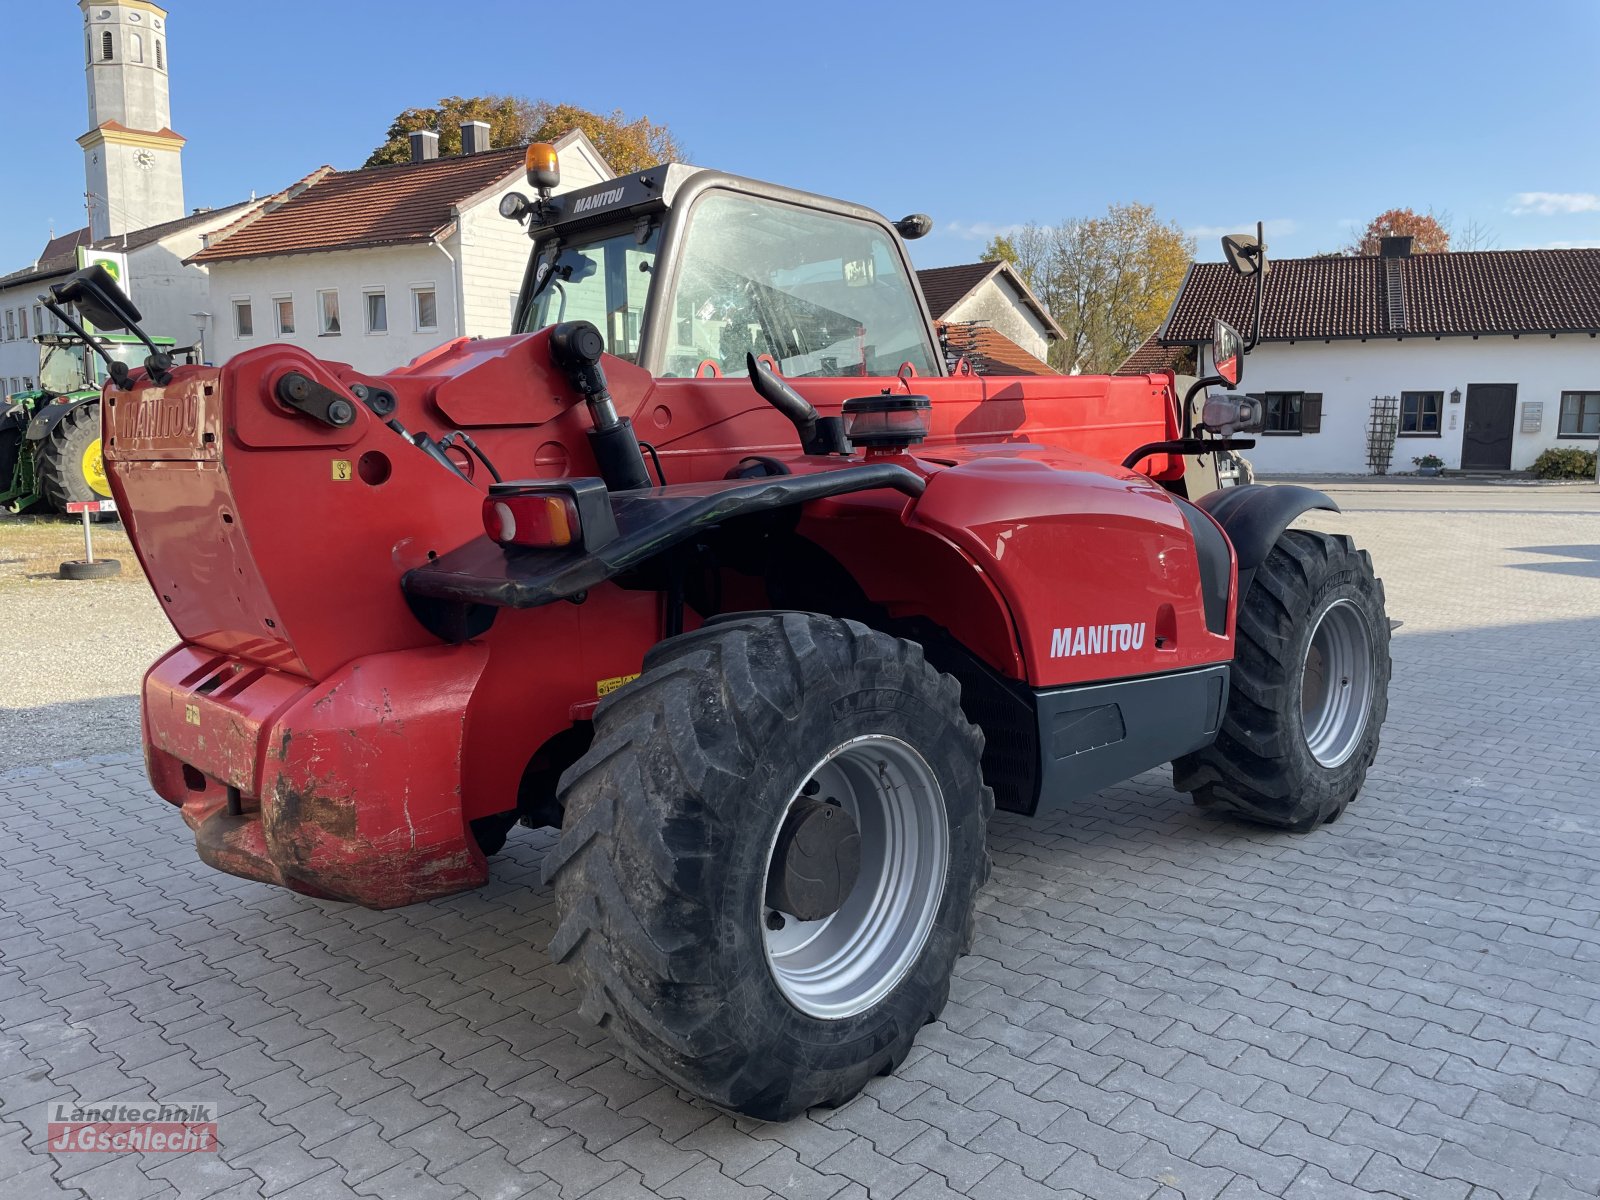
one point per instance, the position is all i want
(1309, 693)
(685, 809)
(70, 465)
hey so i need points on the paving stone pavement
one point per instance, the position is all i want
(1159, 1003)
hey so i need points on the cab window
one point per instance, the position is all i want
(822, 293)
(600, 279)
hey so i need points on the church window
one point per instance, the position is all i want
(105, 45)
(161, 58)
(135, 48)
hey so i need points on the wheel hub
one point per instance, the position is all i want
(873, 873)
(816, 861)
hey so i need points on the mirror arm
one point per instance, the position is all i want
(117, 370)
(1261, 283)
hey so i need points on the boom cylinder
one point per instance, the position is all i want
(576, 347)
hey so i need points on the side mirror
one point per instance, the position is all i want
(1229, 412)
(1227, 352)
(97, 297)
(1243, 252)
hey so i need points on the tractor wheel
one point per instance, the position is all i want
(769, 859)
(1310, 689)
(69, 463)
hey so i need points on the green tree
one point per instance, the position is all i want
(627, 145)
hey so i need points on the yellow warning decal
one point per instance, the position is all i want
(341, 470)
(191, 713)
(605, 687)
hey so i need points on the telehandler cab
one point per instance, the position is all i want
(717, 567)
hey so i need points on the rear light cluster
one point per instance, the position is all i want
(517, 514)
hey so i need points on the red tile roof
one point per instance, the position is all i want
(990, 353)
(1463, 292)
(1153, 356)
(375, 206)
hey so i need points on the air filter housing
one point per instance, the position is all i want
(886, 421)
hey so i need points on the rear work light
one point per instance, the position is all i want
(887, 422)
(517, 515)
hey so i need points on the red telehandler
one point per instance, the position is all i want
(718, 567)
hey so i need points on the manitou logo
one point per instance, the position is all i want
(160, 418)
(599, 200)
(1095, 639)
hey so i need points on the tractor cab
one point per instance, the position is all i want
(686, 272)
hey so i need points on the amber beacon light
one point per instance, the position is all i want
(544, 170)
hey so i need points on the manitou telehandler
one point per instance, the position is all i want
(715, 566)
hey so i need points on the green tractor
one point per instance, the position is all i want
(50, 436)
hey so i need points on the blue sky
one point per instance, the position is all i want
(985, 115)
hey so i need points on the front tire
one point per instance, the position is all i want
(1309, 693)
(672, 820)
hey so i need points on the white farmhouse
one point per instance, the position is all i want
(987, 314)
(1483, 359)
(376, 266)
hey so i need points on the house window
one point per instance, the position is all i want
(244, 321)
(1283, 412)
(284, 305)
(1580, 415)
(38, 319)
(27, 383)
(1419, 413)
(105, 46)
(377, 312)
(328, 306)
(22, 322)
(11, 325)
(425, 308)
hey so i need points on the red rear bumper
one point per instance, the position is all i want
(348, 788)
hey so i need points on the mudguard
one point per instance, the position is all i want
(1255, 515)
(47, 418)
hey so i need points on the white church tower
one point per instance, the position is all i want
(132, 159)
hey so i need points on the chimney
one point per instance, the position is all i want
(424, 145)
(1395, 247)
(474, 137)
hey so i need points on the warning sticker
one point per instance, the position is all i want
(341, 470)
(605, 687)
(191, 713)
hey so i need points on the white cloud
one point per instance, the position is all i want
(1549, 204)
(1277, 227)
(975, 231)
(1578, 244)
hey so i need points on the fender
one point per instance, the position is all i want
(1254, 517)
(47, 418)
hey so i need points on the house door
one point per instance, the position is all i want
(1486, 441)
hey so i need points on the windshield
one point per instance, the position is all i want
(602, 279)
(822, 293)
(61, 369)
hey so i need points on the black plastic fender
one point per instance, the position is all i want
(48, 417)
(1254, 516)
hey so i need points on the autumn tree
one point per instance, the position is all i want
(508, 118)
(1432, 234)
(1108, 280)
(627, 144)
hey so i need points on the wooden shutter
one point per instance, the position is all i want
(1310, 412)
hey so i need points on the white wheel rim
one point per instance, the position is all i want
(845, 963)
(1336, 683)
